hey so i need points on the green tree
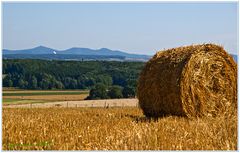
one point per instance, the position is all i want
(22, 84)
(80, 81)
(128, 92)
(119, 79)
(73, 84)
(98, 92)
(10, 83)
(7, 82)
(115, 92)
(44, 84)
(87, 73)
(104, 79)
(90, 81)
(59, 85)
(33, 84)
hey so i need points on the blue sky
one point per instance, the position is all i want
(142, 28)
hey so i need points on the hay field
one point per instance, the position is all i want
(112, 129)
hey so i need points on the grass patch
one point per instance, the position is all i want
(21, 101)
(8, 100)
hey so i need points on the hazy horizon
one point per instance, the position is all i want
(140, 28)
(62, 50)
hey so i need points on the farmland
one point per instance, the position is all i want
(113, 129)
(34, 120)
(138, 76)
(37, 96)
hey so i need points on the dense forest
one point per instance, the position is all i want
(43, 74)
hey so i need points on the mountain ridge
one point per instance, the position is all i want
(40, 52)
(77, 50)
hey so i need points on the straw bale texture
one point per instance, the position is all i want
(193, 81)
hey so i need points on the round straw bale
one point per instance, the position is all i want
(193, 81)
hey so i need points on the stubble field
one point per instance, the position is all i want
(113, 129)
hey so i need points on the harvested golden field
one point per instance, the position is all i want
(112, 129)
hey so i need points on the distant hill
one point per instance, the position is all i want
(66, 57)
(36, 50)
(76, 54)
(42, 52)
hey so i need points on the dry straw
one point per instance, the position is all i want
(193, 81)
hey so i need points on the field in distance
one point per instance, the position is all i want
(11, 96)
(112, 129)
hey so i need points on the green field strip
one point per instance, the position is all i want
(44, 93)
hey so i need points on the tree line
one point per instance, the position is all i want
(114, 79)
